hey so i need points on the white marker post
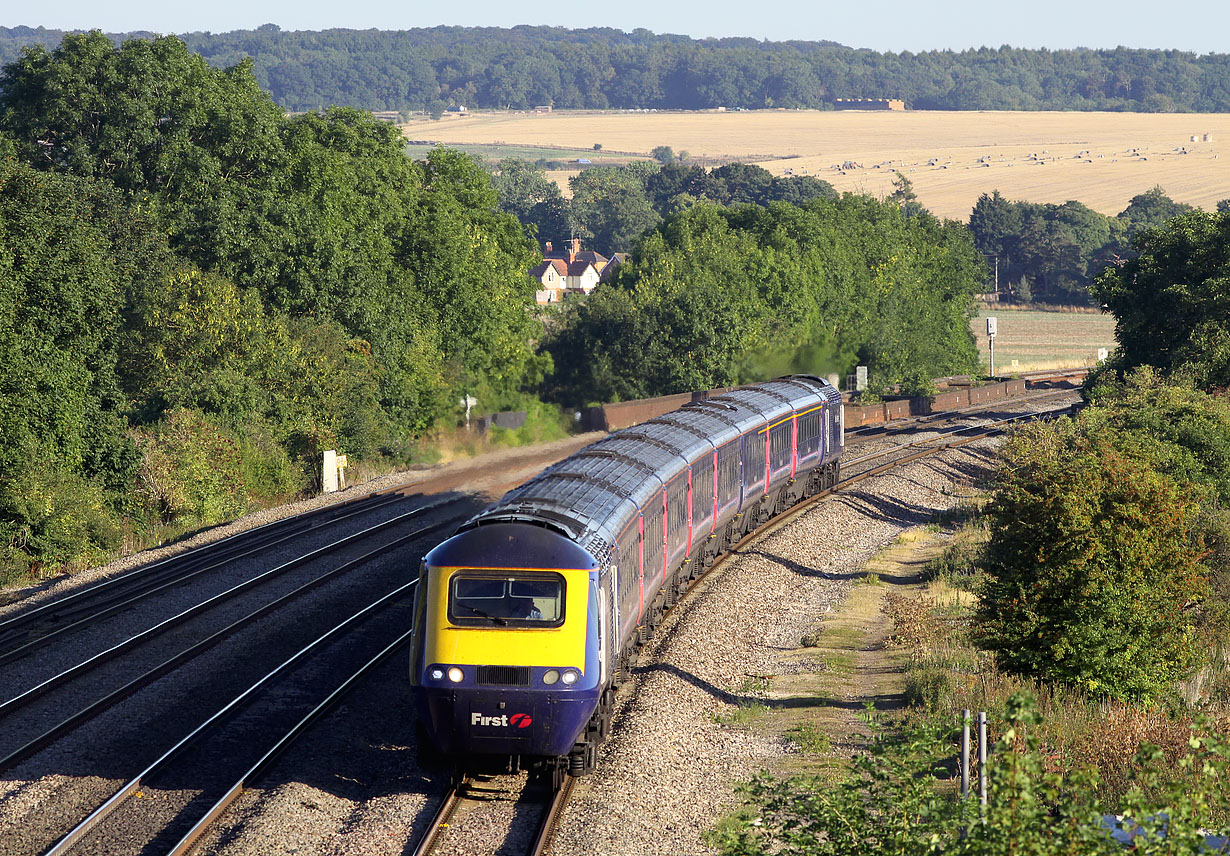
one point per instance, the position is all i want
(991, 322)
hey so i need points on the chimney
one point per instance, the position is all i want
(574, 249)
(548, 252)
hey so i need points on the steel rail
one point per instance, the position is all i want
(904, 425)
(550, 818)
(228, 549)
(184, 845)
(439, 821)
(220, 597)
(93, 617)
(66, 842)
(114, 697)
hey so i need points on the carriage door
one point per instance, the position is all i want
(604, 629)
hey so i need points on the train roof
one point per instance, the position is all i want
(518, 547)
(592, 495)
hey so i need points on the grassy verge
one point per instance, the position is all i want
(902, 646)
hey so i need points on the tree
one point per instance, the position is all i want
(663, 154)
(525, 192)
(1172, 302)
(72, 254)
(1148, 210)
(719, 296)
(995, 224)
(904, 197)
(609, 206)
(746, 182)
(1091, 564)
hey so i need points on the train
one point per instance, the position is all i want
(531, 615)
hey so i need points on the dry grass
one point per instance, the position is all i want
(1043, 340)
(1105, 178)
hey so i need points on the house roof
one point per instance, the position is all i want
(561, 267)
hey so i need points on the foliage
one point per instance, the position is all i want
(191, 470)
(1171, 302)
(521, 67)
(525, 192)
(721, 296)
(1091, 565)
(170, 242)
(663, 154)
(609, 206)
(1052, 253)
(51, 516)
(1179, 430)
(898, 798)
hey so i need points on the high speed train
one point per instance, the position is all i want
(530, 616)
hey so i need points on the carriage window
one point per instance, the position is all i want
(499, 599)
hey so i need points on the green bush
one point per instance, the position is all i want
(960, 565)
(268, 472)
(1092, 562)
(543, 423)
(192, 471)
(51, 518)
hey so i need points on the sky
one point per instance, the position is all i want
(1202, 26)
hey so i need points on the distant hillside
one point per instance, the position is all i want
(527, 66)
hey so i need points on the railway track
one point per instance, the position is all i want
(166, 806)
(33, 628)
(182, 712)
(475, 796)
(15, 705)
(1039, 388)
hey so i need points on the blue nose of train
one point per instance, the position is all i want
(507, 721)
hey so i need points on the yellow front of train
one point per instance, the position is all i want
(507, 660)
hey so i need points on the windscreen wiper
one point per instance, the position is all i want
(482, 614)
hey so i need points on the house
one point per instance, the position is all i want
(571, 271)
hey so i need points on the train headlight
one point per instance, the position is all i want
(569, 677)
(436, 674)
(550, 676)
(455, 675)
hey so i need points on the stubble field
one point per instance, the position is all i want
(1043, 340)
(1101, 159)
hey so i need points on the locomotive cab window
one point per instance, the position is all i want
(486, 599)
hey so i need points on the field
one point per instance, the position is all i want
(1043, 340)
(1101, 159)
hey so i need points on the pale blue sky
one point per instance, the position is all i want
(916, 25)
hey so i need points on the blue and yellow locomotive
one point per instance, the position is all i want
(531, 615)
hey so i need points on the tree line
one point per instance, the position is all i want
(600, 68)
(610, 207)
(1051, 253)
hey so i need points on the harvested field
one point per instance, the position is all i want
(1101, 159)
(1043, 340)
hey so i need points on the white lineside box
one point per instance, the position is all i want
(333, 472)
